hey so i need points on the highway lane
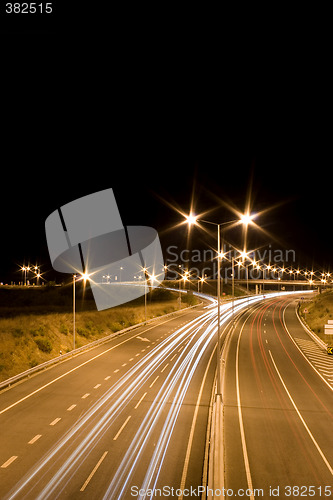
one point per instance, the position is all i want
(278, 407)
(83, 427)
(126, 416)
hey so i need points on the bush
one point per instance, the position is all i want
(17, 332)
(44, 345)
(63, 329)
(83, 332)
(38, 331)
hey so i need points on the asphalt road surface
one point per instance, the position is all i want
(131, 416)
(128, 415)
(278, 407)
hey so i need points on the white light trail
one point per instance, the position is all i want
(74, 447)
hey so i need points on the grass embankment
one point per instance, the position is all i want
(36, 324)
(320, 310)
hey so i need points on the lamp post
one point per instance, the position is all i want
(145, 276)
(74, 276)
(245, 220)
(24, 270)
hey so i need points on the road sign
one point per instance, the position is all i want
(328, 329)
(330, 350)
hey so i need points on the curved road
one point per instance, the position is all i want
(278, 407)
(130, 417)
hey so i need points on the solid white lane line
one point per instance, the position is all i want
(137, 404)
(34, 439)
(55, 421)
(93, 471)
(71, 408)
(240, 417)
(85, 395)
(153, 382)
(97, 386)
(194, 421)
(121, 428)
(301, 418)
(9, 461)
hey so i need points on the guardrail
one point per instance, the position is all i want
(80, 350)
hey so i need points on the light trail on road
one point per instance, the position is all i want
(148, 434)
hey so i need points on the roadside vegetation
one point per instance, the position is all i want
(320, 310)
(37, 324)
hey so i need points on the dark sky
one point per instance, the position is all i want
(73, 124)
(148, 177)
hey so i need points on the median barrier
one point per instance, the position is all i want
(216, 465)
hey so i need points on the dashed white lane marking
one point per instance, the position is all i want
(121, 428)
(97, 386)
(55, 421)
(137, 404)
(71, 408)
(116, 371)
(85, 395)
(34, 439)
(107, 378)
(164, 367)
(153, 382)
(85, 484)
(9, 461)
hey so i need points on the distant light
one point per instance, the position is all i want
(244, 254)
(85, 276)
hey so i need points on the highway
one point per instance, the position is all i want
(278, 406)
(128, 415)
(129, 418)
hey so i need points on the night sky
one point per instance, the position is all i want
(71, 128)
(291, 185)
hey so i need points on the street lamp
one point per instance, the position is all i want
(192, 219)
(24, 270)
(74, 277)
(202, 281)
(83, 276)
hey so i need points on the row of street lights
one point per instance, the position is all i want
(245, 220)
(27, 269)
